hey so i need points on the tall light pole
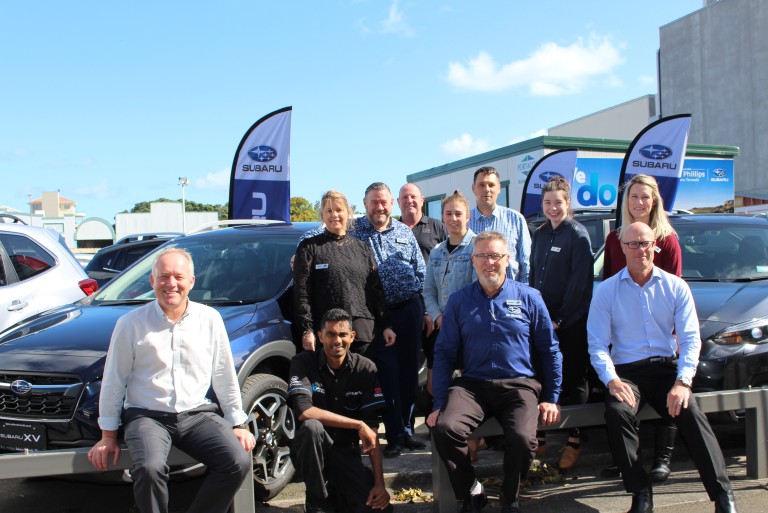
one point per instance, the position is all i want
(183, 181)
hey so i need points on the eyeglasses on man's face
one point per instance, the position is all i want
(635, 244)
(495, 257)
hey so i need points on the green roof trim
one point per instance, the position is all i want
(555, 142)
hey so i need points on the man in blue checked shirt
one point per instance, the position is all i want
(401, 270)
(337, 399)
(488, 216)
(511, 370)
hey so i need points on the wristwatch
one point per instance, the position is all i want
(240, 426)
(686, 382)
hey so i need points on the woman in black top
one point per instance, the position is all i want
(334, 270)
(561, 269)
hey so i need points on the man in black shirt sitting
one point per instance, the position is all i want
(337, 399)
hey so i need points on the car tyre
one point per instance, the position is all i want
(273, 424)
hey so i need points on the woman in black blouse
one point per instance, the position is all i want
(561, 269)
(334, 270)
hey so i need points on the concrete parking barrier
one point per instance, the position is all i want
(753, 401)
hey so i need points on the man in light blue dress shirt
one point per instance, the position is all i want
(636, 321)
(488, 216)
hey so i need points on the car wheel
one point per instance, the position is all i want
(274, 426)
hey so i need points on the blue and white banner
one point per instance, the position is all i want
(560, 163)
(260, 184)
(658, 151)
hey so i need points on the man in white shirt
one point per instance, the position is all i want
(162, 360)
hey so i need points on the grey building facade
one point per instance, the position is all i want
(713, 64)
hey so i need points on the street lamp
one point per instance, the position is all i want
(183, 181)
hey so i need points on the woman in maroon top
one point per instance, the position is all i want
(642, 202)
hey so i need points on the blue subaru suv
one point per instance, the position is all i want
(51, 365)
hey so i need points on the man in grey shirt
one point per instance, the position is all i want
(162, 360)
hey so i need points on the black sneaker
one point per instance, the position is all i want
(474, 504)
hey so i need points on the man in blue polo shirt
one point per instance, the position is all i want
(494, 322)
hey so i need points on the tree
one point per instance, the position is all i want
(302, 210)
(190, 206)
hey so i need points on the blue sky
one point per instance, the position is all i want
(111, 102)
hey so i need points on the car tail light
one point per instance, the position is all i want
(89, 286)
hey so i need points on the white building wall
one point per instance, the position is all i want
(163, 217)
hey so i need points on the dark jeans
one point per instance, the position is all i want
(202, 434)
(651, 383)
(318, 459)
(398, 368)
(514, 403)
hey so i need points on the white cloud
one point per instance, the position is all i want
(394, 23)
(552, 70)
(647, 80)
(101, 190)
(217, 180)
(464, 146)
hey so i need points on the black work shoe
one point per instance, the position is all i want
(612, 471)
(392, 451)
(642, 501)
(474, 504)
(725, 503)
(412, 443)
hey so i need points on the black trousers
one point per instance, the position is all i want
(514, 403)
(319, 460)
(573, 345)
(651, 383)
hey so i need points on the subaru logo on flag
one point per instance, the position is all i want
(655, 152)
(21, 387)
(546, 176)
(719, 173)
(262, 153)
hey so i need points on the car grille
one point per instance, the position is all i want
(47, 397)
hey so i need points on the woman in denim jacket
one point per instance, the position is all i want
(450, 265)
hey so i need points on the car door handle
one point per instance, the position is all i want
(17, 305)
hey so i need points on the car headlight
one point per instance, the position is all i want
(750, 332)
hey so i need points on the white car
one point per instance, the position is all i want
(37, 272)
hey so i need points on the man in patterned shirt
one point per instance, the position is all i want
(488, 216)
(401, 270)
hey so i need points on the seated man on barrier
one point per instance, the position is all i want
(162, 360)
(337, 399)
(505, 334)
(632, 323)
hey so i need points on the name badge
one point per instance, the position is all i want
(657, 249)
(555, 249)
(513, 302)
(401, 240)
(321, 266)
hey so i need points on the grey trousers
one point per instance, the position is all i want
(205, 436)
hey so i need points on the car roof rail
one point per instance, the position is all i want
(227, 223)
(148, 236)
(13, 219)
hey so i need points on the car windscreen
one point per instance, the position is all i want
(246, 268)
(721, 251)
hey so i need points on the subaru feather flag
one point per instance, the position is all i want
(658, 151)
(260, 184)
(560, 163)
